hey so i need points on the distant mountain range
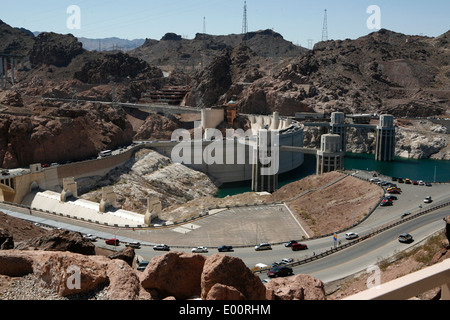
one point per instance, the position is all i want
(108, 44)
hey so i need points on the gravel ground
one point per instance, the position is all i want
(26, 288)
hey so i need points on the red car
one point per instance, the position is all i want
(298, 246)
(113, 242)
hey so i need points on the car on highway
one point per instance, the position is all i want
(225, 248)
(263, 246)
(134, 245)
(113, 242)
(405, 238)
(199, 250)
(428, 200)
(299, 246)
(351, 235)
(161, 247)
(280, 271)
(143, 265)
(287, 260)
(290, 243)
(90, 237)
(405, 214)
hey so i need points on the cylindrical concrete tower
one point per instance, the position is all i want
(330, 157)
(385, 144)
(338, 127)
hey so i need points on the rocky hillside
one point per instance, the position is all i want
(172, 51)
(61, 135)
(150, 174)
(383, 72)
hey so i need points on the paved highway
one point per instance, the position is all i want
(333, 267)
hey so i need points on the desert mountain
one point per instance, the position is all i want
(172, 51)
(384, 71)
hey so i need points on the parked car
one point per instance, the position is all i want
(407, 181)
(390, 197)
(400, 180)
(290, 243)
(113, 242)
(428, 200)
(281, 271)
(421, 183)
(161, 247)
(135, 245)
(200, 250)
(299, 246)
(263, 246)
(142, 265)
(351, 235)
(428, 184)
(385, 203)
(414, 182)
(225, 248)
(405, 238)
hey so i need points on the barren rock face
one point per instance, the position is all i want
(54, 49)
(174, 274)
(60, 241)
(231, 272)
(298, 287)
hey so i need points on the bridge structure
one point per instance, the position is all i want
(8, 65)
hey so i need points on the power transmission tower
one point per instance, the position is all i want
(244, 21)
(325, 27)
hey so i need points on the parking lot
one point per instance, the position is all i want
(235, 226)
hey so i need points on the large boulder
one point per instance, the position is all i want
(231, 272)
(174, 274)
(71, 273)
(298, 287)
(222, 292)
(126, 255)
(60, 240)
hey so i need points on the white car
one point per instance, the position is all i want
(90, 237)
(428, 200)
(287, 260)
(351, 235)
(199, 250)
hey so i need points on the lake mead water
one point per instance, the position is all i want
(425, 169)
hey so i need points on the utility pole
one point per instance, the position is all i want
(325, 27)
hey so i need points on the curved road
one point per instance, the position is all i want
(338, 265)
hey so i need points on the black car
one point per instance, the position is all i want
(290, 243)
(225, 248)
(279, 271)
(405, 238)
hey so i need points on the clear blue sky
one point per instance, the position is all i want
(296, 20)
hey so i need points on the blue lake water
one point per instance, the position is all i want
(426, 170)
